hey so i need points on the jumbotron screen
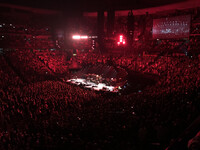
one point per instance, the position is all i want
(172, 27)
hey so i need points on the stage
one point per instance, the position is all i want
(92, 85)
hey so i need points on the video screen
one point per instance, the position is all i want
(172, 27)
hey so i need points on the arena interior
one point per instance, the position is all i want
(97, 75)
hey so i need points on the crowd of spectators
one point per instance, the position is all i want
(44, 105)
(40, 111)
(29, 32)
(7, 76)
(52, 114)
(27, 65)
(24, 24)
(56, 60)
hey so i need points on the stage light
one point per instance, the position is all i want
(136, 39)
(94, 37)
(84, 37)
(76, 37)
(121, 40)
(124, 41)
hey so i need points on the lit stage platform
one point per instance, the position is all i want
(92, 85)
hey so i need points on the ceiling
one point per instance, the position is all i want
(91, 5)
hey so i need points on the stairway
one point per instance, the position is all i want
(17, 72)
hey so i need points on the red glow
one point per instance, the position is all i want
(124, 41)
(136, 39)
(121, 40)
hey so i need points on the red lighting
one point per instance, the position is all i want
(124, 41)
(121, 40)
(136, 39)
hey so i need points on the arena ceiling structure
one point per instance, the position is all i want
(92, 5)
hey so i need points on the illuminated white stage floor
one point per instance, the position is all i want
(92, 85)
